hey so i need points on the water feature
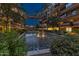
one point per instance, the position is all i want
(35, 43)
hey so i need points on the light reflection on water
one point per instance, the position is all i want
(35, 43)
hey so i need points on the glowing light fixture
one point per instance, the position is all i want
(43, 35)
(38, 35)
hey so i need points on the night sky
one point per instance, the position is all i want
(32, 9)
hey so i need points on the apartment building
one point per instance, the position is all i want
(69, 12)
(11, 17)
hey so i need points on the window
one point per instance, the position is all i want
(74, 13)
(68, 5)
(69, 29)
(63, 16)
(14, 9)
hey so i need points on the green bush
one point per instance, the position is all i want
(3, 45)
(11, 44)
(66, 45)
(76, 30)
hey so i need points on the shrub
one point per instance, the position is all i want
(66, 45)
(12, 44)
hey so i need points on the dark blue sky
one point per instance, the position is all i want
(32, 9)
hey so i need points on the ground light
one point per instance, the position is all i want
(40, 35)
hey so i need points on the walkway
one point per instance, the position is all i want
(43, 52)
(37, 45)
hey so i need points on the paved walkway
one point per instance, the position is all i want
(47, 42)
(43, 52)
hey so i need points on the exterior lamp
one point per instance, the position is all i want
(38, 34)
(43, 35)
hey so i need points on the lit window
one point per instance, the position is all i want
(56, 28)
(50, 28)
(14, 9)
(69, 29)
